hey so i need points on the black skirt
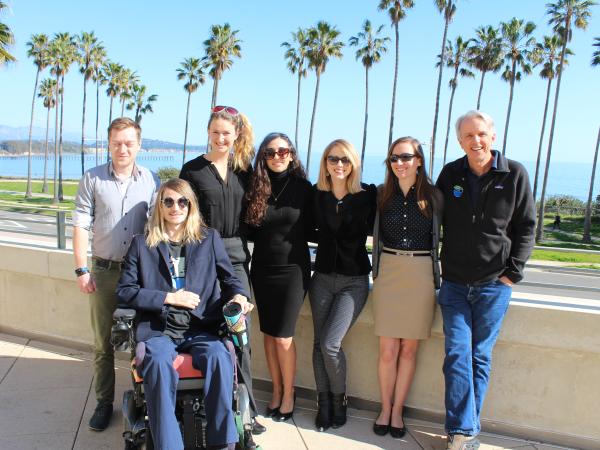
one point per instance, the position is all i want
(279, 292)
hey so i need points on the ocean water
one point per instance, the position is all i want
(565, 178)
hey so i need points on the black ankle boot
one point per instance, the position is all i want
(340, 404)
(323, 420)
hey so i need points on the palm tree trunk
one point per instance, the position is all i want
(454, 83)
(45, 183)
(480, 89)
(109, 122)
(312, 122)
(122, 107)
(187, 116)
(364, 142)
(510, 100)
(83, 126)
(437, 97)
(298, 108)
(587, 224)
(394, 86)
(539, 155)
(60, 149)
(539, 231)
(55, 196)
(97, 116)
(213, 101)
(28, 191)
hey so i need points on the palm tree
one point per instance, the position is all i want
(139, 102)
(191, 70)
(38, 50)
(455, 57)
(563, 15)
(97, 63)
(127, 80)
(86, 45)
(587, 223)
(7, 39)
(447, 8)
(372, 49)
(547, 54)
(323, 44)
(296, 58)
(47, 94)
(518, 45)
(397, 11)
(486, 54)
(220, 47)
(62, 53)
(111, 73)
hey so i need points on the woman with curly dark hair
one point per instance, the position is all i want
(279, 203)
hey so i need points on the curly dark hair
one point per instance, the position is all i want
(260, 184)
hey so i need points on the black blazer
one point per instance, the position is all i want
(146, 280)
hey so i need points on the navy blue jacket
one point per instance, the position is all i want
(146, 280)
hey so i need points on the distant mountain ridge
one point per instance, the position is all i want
(8, 136)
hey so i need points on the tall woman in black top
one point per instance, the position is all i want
(219, 179)
(344, 211)
(404, 243)
(279, 204)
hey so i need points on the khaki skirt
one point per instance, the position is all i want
(404, 297)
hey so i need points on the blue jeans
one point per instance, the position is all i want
(472, 317)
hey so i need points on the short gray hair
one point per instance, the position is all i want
(474, 114)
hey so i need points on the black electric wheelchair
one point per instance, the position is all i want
(189, 410)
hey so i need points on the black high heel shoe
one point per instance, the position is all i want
(272, 412)
(283, 417)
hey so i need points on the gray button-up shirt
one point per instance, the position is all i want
(113, 209)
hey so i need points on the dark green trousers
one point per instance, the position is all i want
(103, 303)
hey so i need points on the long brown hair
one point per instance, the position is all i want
(424, 187)
(243, 147)
(260, 184)
(194, 225)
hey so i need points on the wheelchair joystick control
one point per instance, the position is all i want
(236, 324)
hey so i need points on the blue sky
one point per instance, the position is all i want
(153, 37)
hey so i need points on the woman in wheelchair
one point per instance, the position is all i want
(178, 277)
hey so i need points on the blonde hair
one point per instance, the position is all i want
(243, 147)
(122, 123)
(193, 230)
(353, 179)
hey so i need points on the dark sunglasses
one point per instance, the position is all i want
(282, 152)
(404, 157)
(334, 160)
(228, 109)
(182, 202)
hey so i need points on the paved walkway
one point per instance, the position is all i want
(46, 400)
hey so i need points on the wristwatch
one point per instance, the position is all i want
(81, 271)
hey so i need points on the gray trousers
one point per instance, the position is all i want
(336, 302)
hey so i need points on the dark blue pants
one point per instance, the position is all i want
(472, 318)
(210, 356)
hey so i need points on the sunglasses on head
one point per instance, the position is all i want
(182, 202)
(334, 160)
(282, 152)
(228, 109)
(404, 157)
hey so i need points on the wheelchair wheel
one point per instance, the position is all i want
(242, 408)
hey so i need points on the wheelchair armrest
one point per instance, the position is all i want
(124, 314)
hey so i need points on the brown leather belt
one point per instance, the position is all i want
(407, 253)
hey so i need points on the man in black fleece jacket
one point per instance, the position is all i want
(488, 235)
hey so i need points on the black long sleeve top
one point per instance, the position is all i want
(282, 236)
(342, 230)
(221, 202)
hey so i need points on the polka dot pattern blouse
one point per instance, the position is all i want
(403, 226)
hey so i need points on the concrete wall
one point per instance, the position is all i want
(546, 364)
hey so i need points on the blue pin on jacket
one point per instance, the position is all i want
(457, 191)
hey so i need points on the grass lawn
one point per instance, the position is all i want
(41, 205)
(69, 187)
(583, 258)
